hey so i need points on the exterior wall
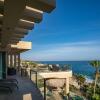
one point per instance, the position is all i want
(62, 74)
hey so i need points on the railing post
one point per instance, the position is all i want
(44, 89)
(36, 78)
(21, 71)
(67, 86)
(30, 74)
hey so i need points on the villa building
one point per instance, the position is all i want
(17, 17)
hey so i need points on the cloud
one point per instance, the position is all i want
(85, 50)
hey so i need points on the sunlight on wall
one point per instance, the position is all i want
(27, 96)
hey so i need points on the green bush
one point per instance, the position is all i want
(96, 97)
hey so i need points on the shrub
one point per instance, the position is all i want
(96, 97)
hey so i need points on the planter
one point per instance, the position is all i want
(11, 71)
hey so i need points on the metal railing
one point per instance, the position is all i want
(44, 81)
(34, 72)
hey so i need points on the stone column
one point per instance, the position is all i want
(11, 63)
(8, 60)
(19, 62)
(15, 60)
(67, 86)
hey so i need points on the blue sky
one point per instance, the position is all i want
(70, 32)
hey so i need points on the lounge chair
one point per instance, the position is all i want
(9, 80)
(6, 87)
(9, 84)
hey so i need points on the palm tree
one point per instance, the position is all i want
(96, 65)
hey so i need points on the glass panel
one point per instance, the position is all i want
(0, 65)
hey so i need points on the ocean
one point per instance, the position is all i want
(78, 67)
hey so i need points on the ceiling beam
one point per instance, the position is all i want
(15, 38)
(14, 41)
(21, 23)
(32, 14)
(20, 30)
(18, 35)
(13, 10)
(43, 5)
(26, 24)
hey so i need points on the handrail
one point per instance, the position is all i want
(35, 75)
(32, 71)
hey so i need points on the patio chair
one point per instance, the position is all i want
(6, 87)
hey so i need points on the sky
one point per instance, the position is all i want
(70, 32)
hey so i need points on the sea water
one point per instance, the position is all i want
(78, 67)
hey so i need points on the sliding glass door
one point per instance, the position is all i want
(3, 65)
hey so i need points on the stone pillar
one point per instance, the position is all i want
(67, 86)
(11, 63)
(15, 60)
(19, 62)
(7, 60)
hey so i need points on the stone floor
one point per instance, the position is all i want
(27, 91)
